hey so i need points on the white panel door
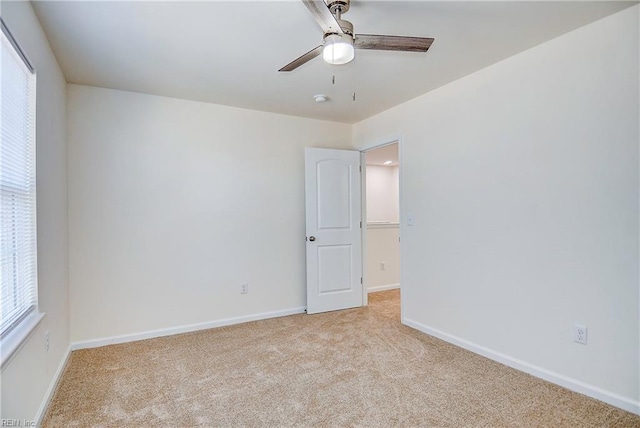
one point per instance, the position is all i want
(334, 244)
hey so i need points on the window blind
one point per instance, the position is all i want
(18, 276)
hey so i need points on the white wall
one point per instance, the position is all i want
(383, 247)
(523, 179)
(173, 204)
(382, 244)
(382, 194)
(29, 376)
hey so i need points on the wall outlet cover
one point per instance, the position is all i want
(580, 334)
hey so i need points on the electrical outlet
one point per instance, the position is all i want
(46, 340)
(382, 266)
(244, 288)
(580, 334)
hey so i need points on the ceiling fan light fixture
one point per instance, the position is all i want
(338, 49)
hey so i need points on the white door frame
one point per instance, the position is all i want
(363, 151)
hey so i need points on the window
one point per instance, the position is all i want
(18, 276)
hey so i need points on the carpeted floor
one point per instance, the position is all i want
(358, 367)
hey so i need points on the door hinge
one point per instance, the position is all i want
(360, 168)
(360, 280)
(361, 225)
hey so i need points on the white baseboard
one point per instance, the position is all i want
(382, 288)
(608, 397)
(182, 329)
(52, 388)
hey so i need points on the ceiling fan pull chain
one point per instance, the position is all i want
(354, 79)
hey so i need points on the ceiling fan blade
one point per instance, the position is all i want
(303, 59)
(323, 16)
(392, 43)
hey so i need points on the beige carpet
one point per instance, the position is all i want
(358, 367)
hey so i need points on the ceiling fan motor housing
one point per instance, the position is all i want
(338, 6)
(347, 28)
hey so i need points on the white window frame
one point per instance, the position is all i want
(24, 326)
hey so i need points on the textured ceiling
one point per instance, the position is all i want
(229, 52)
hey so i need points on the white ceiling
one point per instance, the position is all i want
(382, 154)
(228, 52)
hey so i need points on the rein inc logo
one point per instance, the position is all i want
(17, 423)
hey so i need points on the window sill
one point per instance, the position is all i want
(12, 342)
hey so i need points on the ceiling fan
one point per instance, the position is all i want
(339, 40)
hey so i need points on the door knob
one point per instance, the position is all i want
(312, 238)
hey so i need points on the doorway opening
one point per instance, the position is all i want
(381, 237)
